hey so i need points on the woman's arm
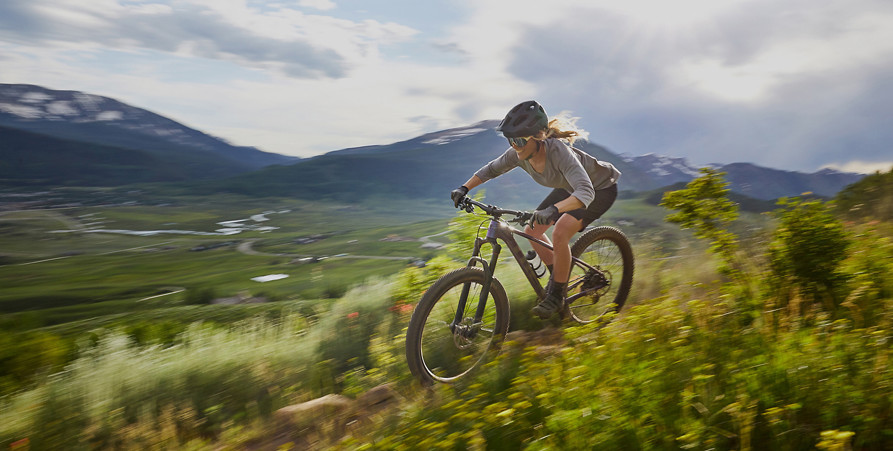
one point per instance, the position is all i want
(568, 204)
(502, 164)
(570, 167)
(473, 182)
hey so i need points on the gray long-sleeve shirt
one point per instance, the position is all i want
(568, 168)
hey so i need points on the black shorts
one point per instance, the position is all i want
(604, 198)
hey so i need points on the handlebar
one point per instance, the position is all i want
(468, 204)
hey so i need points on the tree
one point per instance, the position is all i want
(703, 206)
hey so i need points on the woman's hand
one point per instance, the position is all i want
(458, 194)
(544, 216)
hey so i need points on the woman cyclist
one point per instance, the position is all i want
(584, 188)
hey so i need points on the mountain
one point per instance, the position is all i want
(764, 183)
(663, 170)
(31, 159)
(431, 165)
(68, 137)
(90, 119)
(747, 179)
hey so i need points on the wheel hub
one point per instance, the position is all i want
(465, 332)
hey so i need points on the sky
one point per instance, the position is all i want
(790, 84)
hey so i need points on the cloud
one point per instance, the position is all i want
(322, 5)
(789, 84)
(296, 44)
(794, 84)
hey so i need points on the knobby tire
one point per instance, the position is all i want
(433, 352)
(608, 249)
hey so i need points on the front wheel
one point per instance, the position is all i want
(440, 350)
(606, 288)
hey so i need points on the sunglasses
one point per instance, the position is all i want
(519, 142)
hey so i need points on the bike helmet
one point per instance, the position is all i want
(525, 119)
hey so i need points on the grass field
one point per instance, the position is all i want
(62, 265)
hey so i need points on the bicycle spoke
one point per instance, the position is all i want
(597, 291)
(450, 354)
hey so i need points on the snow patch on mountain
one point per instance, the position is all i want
(110, 116)
(88, 102)
(62, 108)
(35, 97)
(662, 166)
(22, 111)
(65, 105)
(449, 136)
(666, 165)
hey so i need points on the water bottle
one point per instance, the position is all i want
(535, 263)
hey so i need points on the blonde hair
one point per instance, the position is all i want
(564, 126)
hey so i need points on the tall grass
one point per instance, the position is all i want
(117, 394)
(673, 373)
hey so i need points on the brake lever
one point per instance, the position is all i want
(465, 205)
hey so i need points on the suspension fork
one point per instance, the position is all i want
(489, 269)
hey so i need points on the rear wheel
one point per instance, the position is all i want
(607, 250)
(434, 352)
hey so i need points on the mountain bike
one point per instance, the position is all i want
(462, 319)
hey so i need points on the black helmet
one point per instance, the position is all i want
(525, 119)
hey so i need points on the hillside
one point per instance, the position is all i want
(431, 165)
(426, 167)
(869, 198)
(745, 203)
(765, 183)
(31, 159)
(91, 119)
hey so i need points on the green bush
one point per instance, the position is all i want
(704, 206)
(26, 356)
(348, 331)
(200, 296)
(805, 255)
(870, 287)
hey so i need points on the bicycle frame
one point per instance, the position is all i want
(500, 231)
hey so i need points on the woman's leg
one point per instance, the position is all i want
(538, 231)
(565, 229)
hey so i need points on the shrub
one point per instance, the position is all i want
(25, 356)
(805, 255)
(200, 296)
(350, 326)
(704, 207)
